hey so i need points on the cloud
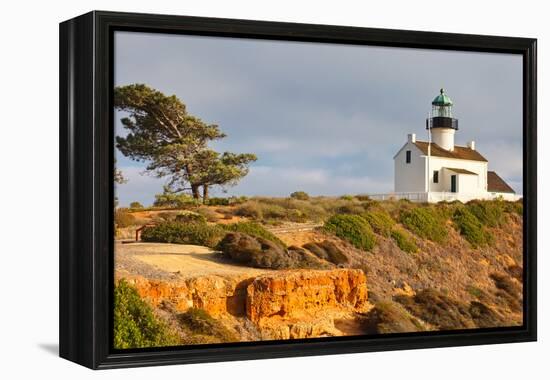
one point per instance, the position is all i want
(335, 114)
(279, 181)
(139, 187)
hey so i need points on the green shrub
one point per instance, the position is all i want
(364, 198)
(347, 197)
(301, 211)
(215, 201)
(174, 200)
(351, 209)
(253, 229)
(404, 241)
(273, 211)
(380, 221)
(135, 325)
(353, 229)
(471, 228)
(300, 195)
(489, 213)
(136, 205)
(184, 233)
(425, 222)
(123, 218)
(514, 207)
(190, 217)
(202, 328)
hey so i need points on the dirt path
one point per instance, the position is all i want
(175, 261)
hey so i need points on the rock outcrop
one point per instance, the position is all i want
(291, 294)
(302, 304)
(282, 304)
(215, 294)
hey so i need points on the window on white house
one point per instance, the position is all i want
(436, 176)
(408, 157)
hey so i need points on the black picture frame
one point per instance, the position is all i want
(86, 187)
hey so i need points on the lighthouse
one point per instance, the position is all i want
(441, 124)
(440, 170)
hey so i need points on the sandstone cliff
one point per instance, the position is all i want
(282, 305)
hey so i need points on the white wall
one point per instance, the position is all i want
(29, 36)
(477, 184)
(409, 177)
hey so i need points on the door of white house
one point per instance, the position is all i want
(453, 183)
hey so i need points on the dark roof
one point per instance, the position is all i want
(461, 171)
(459, 152)
(495, 184)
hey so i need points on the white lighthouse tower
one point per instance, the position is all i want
(441, 124)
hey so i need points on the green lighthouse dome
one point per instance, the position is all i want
(442, 99)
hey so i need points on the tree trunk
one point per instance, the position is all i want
(195, 191)
(204, 194)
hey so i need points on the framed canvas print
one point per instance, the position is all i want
(238, 189)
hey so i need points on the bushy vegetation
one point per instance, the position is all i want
(225, 201)
(284, 209)
(328, 251)
(514, 207)
(253, 229)
(203, 329)
(135, 325)
(250, 209)
(190, 217)
(483, 316)
(208, 214)
(403, 240)
(300, 195)
(136, 205)
(489, 213)
(471, 227)
(353, 229)
(172, 200)
(438, 309)
(447, 313)
(261, 253)
(123, 218)
(380, 221)
(389, 317)
(184, 233)
(425, 222)
(510, 293)
(217, 201)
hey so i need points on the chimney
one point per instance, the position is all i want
(411, 137)
(472, 145)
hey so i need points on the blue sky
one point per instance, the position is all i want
(322, 118)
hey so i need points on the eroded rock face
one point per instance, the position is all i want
(301, 304)
(283, 304)
(214, 294)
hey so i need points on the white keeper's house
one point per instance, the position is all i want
(439, 170)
